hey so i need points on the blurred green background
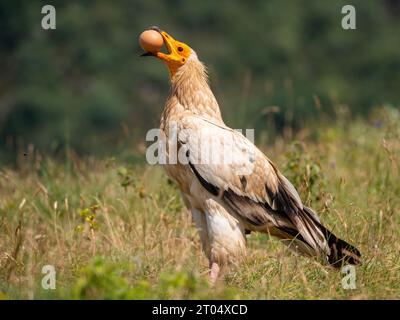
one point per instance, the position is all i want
(272, 64)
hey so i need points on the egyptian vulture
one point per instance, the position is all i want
(228, 184)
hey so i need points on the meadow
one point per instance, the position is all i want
(114, 230)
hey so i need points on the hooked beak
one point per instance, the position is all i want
(172, 55)
(177, 52)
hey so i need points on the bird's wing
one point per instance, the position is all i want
(233, 169)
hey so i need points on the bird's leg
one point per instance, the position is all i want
(214, 271)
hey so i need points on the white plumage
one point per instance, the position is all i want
(228, 184)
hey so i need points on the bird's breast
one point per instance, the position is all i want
(181, 174)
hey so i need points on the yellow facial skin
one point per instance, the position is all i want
(178, 54)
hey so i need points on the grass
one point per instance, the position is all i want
(115, 231)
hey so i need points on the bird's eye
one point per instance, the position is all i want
(180, 49)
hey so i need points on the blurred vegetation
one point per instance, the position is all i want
(103, 280)
(108, 239)
(273, 64)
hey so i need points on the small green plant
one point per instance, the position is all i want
(99, 280)
(126, 177)
(103, 280)
(88, 216)
(304, 172)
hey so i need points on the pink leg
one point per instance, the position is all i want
(214, 272)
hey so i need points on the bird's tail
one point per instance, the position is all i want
(340, 251)
(310, 237)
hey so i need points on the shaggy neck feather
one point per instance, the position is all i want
(191, 92)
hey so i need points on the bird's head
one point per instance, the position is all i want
(177, 55)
